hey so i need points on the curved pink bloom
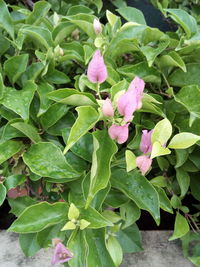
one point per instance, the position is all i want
(145, 144)
(97, 26)
(107, 108)
(143, 163)
(97, 71)
(61, 254)
(132, 99)
(119, 133)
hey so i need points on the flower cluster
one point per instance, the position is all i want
(127, 103)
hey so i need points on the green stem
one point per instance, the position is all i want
(98, 91)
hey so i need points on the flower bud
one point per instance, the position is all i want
(119, 133)
(97, 26)
(143, 163)
(97, 71)
(107, 108)
(145, 144)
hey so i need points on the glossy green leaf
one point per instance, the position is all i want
(130, 239)
(104, 150)
(130, 161)
(162, 132)
(46, 159)
(43, 89)
(183, 181)
(19, 100)
(115, 250)
(61, 31)
(28, 130)
(116, 198)
(32, 72)
(72, 97)
(195, 260)
(40, 10)
(183, 140)
(5, 19)
(14, 180)
(29, 244)
(76, 9)
(194, 185)
(87, 118)
(132, 14)
(181, 227)
(130, 213)
(159, 181)
(8, 149)
(181, 157)
(3, 192)
(57, 77)
(165, 203)
(19, 204)
(137, 188)
(159, 150)
(39, 216)
(95, 218)
(15, 66)
(98, 252)
(172, 59)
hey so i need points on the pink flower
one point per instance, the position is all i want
(143, 163)
(132, 99)
(97, 26)
(97, 71)
(107, 108)
(145, 144)
(119, 133)
(61, 254)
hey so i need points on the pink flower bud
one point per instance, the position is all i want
(97, 26)
(61, 254)
(97, 71)
(119, 133)
(132, 99)
(143, 163)
(145, 144)
(107, 108)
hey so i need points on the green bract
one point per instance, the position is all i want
(72, 165)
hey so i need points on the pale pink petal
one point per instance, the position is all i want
(61, 254)
(97, 26)
(145, 144)
(97, 71)
(143, 163)
(127, 105)
(107, 108)
(137, 87)
(119, 133)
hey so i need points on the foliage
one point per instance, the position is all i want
(62, 171)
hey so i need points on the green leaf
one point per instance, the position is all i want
(159, 150)
(116, 199)
(183, 140)
(181, 78)
(195, 260)
(98, 253)
(130, 161)
(194, 185)
(186, 21)
(76, 9)
(98, 4)
(28, 130)
(87, 118)
(43, 89)
(73, 212)
(172, 59)
(40, 10)
(2, 87)
(6, 21)
(15, 66)
(62, 30)
(19, 100)
(130, 239)
(181, 157)
(137, 188)
(159, 181)
(38, 34)
(46, 159)
(32, 72)
(165, 203)
(57, 77)
(3, 192)
(39, 216)
(54, 113)
(115, 250)
(183, 181)
(181, 227)
(162, 132)
(104, 150)
(77, 245)
(29, 244)
(72, 97)
(14, 180)
(132, 14)
(130, 213)
(8, 149)
(19, 204)
(95, 219)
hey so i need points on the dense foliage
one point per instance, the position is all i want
(77, 165)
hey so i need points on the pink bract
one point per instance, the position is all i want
(107, 108)
(61, 254)
(97, 71)
(145, 144)
(119, 133)
(143, 163)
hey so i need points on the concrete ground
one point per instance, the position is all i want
(158, 252)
